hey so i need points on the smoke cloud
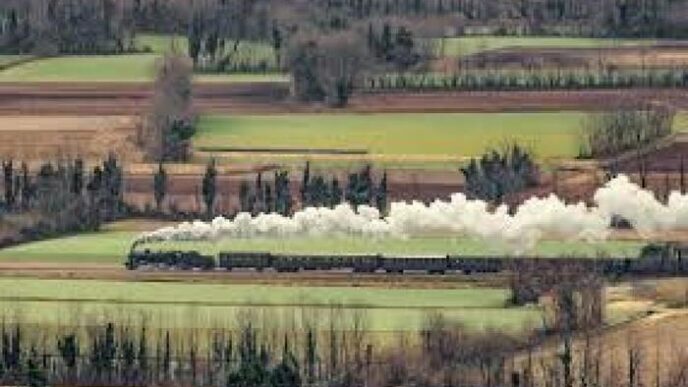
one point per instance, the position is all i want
(534, 220)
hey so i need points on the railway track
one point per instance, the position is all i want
(666, 259)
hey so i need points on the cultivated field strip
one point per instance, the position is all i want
(271, 98)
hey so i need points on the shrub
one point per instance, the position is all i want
(608, 134)
(498, 173)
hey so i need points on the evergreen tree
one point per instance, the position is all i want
(167, 356)
(27, 187)
(277, 41)
(160, 186)
(305, 182)
(112, 192)
(682, 171)
(209, 188)
(335, 193)
(245, 197)
(35, 375)
(68, 347)
(386, 43)
(283, 199)
(8, 173)
(78, 177)
(259, 193)
(143, 354)
(268, 199)
(381, 194)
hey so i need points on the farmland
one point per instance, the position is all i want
(119, 118)
(174, 306)
(436, 137)
(469, 45)
(110, 68)
(138, 67)
(432, 141)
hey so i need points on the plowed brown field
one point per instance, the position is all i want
(267, 98)
(660, 56)
(29, 138)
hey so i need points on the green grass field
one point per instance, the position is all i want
(125, 68)
(186, 305)
(9, 60)
(459, 134)
(111, 247)
(469, 45)
(160, 44)
(110, 68)
(246, 50)
(681, 122)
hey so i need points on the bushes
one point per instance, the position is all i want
(608, 134)
(503, 80)
(497, 174)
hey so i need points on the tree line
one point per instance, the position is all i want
(660, 18)
(331, 47)
(503, 80)
(48, 27)
(57, 198)
(276, 196)
(60, 197)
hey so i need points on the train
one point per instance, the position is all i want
(654, 259)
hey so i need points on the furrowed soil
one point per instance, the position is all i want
(28, 138)
(661, 56)
(272, 98)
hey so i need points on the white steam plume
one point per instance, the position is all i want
(534, 220)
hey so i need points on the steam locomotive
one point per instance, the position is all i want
(654, 259)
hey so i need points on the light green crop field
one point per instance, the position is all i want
(469, 45)
(161, 44)
(7, 60)
(441, 134)
(681, 122)
(111, 247)
(246, 50)
(130, 67)
(187, 305)
(110, 68)
(106, 68)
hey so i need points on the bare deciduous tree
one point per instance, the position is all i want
(169, 124)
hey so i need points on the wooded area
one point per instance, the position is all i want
(106, 26)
